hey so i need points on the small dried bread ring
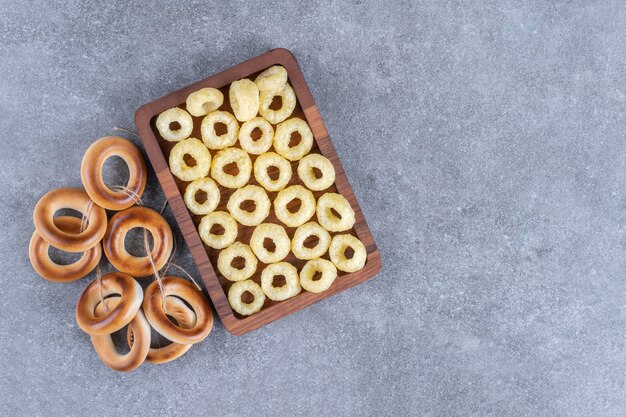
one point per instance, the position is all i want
(236, 251)
(277, 235)
(258, 196)
(260, 145)
(269, 162)
(329, 220)
(131, 296)
(337, 252)
(48, 269)
(228, 156)
(289, 289)
(282, 138)
(69, 198)
(105, 347)
(196, 149)
(302, 234)
(174, 124)
(244, 99)
(157, 315)
(214, 240)
(209, 187)
(290, 195)
(120, 224)
(288, 104)
(186, 319)
(272, 79)
(306, 172)
(236, 291)
(311, 268)
(91, 172)
(204, 101)
(209, 135)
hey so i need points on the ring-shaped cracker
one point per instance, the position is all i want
(329, 221)
(218, 241)
(268, 162)
(228, 156)
(172, 116)
(204, 101)
(298, 247)
(277, 234)
(262, 205)
(209, 187)
(291, 287)
(272, 79)
(198, 152)
(337, 252)
(288, 104)
(234, 297)
(287, 196)
(306, 172)
(209, 135)
(228, 255)
(282, 138)
(260, 145)
(311, 268)
(243, 96)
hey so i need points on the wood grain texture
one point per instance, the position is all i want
(217, 286)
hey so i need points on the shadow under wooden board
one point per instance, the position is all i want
(205, 258)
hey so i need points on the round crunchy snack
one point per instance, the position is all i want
(174, 124)
(300, 216)
(277, 235)
(236, 291)
(209, 187)
(290, 288)
(288, 104)
(228, 156)
(228, 255)
(302, 234)
(272, 79)
(209, 134)
(244, 99)
(272, 161)
(311, 268)
(306, 172)
(260, 145)
(214, 240)
(337, 252)
(196, 149)
(329, 221)
(282, 138)
(261, 201)
(204, 101)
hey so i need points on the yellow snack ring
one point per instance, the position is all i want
(261, 145)
(303, 214)
(262, 205)
(270, 161)
(288, 104)
(234, 297)
(204, 101)
(225, 157)
(308, 271)
(302, 234)
(337, 253)
(285, 291)
(228, 255)
(307, 174)
(218, 241)
(243, 96)
(272, 79)
(209, 135)
(198, 152)
(277, 234)
(174, 124)
(212, 196)
(282, 137)
(329, 221)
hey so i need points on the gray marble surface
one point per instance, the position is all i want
(485, 141)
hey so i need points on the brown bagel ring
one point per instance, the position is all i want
(186, 318)
(157, 316)
(114, 283)
(48, 269)
(69, 198)
(120, 224)
(105, 348)
(91, 172)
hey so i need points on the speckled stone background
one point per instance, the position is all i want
(485, 141)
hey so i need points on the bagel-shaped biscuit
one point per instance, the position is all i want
(329, 220)
(105, 347)
(272, 79)
(91, 172)
(209, 187)
(262, 205)
(198, 152)
(174, 124)
(209, 135)
(282, 139)
(218, 241)
(275, 233)
(120, 224)
(260, 145)
(288, 104)
(157, 315)
(115, 283)
(236, 291)
(311, 268)
(226, 157)
(306, 172)
(243, 96)
(227, 256)
(289, 289)
(69, 198)
(48, 269)
(304, 232)
(301, 215)
(204, 101)
(337, 252)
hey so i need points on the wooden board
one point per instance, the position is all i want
(205, 258)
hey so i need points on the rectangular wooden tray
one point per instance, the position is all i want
(216, 285)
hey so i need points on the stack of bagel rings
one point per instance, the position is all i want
(175, 308)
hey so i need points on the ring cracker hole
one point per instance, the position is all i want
(68, 212)
(335, 213)
(294, 205)
(247, 297)
(294, 139)
(316, 276)
(248, 205)
(115, 172)
(277, 103)
(279, 281)
(348, 252)
(311, 241)
(231, 169)
(200, 196)
(60, 257)
(134, 244)
(174, 126)
(317, 173)
(238, 262)
(273, 172)
(157, 340)
(220, 129)
(269, 245)
(217, 229)
(189, 160)
(256, 134)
